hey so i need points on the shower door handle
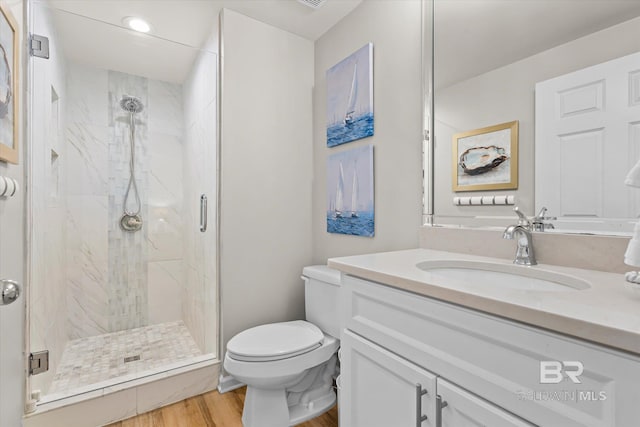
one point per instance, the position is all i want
(203, 213)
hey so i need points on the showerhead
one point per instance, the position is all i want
(131, 104)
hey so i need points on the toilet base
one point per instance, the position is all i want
(265, 408)
(310, 396)
(301, 413)
(268, 408)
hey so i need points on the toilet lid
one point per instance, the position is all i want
(275, 341)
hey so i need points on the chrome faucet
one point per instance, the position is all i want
(524, 252)
(540, 221)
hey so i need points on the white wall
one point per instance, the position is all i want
(266, 172)
(507, 94)
(12, 265)
(394, 29)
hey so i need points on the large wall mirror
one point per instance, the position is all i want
(567, 72)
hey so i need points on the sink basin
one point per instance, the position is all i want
(508, 276)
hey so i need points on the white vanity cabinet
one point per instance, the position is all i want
(379, 388)
(459, 408)
(486, 368)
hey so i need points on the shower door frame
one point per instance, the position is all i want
(29, 82)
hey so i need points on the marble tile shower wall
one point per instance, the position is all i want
(122, 280)
(128, 256)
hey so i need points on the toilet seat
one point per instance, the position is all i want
(275, 341)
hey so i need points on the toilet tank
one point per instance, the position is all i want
(321, 298)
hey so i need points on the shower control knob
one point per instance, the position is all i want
(10, 291)
(131, 222)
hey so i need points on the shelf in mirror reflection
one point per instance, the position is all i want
(484, 200)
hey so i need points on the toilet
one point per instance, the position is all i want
(289, 367)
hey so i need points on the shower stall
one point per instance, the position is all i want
(122, 160)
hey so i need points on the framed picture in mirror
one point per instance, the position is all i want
(9, 54)
(486, 158)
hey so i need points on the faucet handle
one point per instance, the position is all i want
(539, 223)
(541, 215)
(523, 221)
(542, 212)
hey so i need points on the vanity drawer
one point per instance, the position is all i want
(498, 359)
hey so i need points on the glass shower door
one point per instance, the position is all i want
(200, 301)
(123, 280)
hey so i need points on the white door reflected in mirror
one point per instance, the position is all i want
(587, 138)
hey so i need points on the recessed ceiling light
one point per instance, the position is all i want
(136, 24)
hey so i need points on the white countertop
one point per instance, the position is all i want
(607, 313)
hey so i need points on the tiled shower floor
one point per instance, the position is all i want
(91, 360)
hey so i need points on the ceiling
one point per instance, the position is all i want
(476, 36)
(472, 36)
(89, 30)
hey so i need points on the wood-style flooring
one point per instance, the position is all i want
(210, 410)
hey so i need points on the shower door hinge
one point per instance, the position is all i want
(39, 46)
(38, 362)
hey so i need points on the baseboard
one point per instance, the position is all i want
(227, 383)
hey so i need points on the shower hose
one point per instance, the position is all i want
(132, 171)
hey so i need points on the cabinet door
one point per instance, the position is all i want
(380, 389)
(460, 408)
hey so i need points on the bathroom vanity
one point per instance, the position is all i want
(421, 347)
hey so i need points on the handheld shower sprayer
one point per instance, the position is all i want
(131, 220)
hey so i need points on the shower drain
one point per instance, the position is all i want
(131, 358)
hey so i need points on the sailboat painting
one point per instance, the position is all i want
(350, 192)
(350, 98)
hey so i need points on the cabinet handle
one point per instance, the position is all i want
(203, 213)
(419, 417)
(440, 404)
